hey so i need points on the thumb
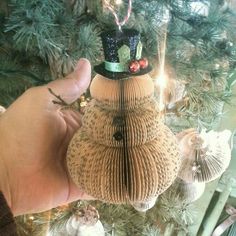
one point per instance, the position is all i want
(73, 85)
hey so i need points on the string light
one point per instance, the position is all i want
(31, 222)
(118, 2)
(31, 218)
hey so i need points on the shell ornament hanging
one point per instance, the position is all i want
(205, 155)
(143, 206)
(187, 192)
(123, 152)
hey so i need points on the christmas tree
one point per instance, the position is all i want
(41, 40)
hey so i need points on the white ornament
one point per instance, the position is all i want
(93, 230)
(74, 228)
(205, 155)
(187, 192)
(144, 205)
(71, 229)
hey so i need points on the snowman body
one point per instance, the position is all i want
(123, 152)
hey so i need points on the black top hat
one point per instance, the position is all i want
(123, 55)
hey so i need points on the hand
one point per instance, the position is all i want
(34, 136)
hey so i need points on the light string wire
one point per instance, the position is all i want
(117, 20)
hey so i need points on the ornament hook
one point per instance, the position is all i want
(126, 18)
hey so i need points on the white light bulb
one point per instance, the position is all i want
(161, 81)
(118, 2)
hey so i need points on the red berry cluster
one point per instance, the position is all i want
(136, 65)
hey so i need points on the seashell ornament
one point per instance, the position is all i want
(188, 192)
(123, 152)
(205, 155)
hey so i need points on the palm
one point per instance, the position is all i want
(41, 132)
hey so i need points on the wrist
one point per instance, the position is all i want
(4, 185)
(7, 223)
(4, 180)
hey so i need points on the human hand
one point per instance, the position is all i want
(34, 136)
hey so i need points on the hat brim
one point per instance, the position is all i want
(100, 69)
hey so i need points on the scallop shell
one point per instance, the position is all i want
(144, 205)
(205, 156)
(188, 192)
(141, 162)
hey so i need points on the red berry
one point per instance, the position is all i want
(134, 67)
(143, 62)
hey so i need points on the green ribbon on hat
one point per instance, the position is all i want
(115, 66)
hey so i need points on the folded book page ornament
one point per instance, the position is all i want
(123, 152)
(205, 155)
